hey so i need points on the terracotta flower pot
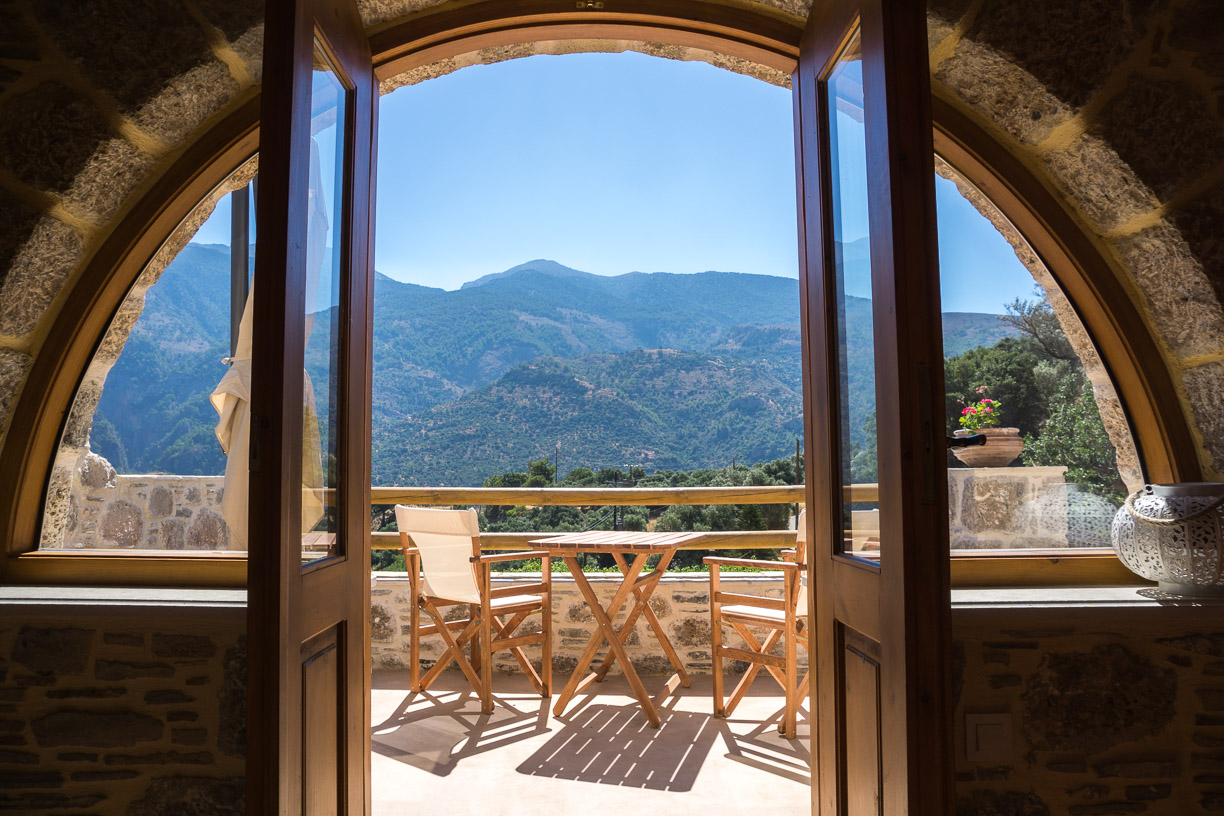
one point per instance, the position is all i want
(1002, 447)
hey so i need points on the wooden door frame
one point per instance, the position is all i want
(299, 616)
(896, 614)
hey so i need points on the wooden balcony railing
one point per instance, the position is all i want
(611, 496)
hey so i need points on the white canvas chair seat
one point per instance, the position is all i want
(446, 567)
(784, 619)
(755, 613)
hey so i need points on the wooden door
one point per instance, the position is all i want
(874, 393)
(308, 744)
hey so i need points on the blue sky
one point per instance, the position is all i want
(614, 163)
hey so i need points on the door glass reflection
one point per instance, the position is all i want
(325, 272)
(854, 324)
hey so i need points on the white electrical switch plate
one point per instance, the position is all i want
(988, 737)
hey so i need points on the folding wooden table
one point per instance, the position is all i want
(620, 544)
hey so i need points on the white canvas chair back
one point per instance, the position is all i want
(801, 602)
(444, 538)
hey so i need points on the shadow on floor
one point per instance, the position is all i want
(765, 749)
(614, 745)
(434, 732)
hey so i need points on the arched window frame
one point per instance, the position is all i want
(1075, 259)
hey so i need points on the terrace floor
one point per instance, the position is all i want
(436, 753)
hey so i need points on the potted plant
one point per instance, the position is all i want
(1002, 446)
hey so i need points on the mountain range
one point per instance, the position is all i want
(652, 369)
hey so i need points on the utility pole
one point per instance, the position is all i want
(557, 463)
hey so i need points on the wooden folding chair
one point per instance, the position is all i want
(784, 619)
(445, 569)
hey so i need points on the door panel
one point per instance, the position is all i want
(308, 599)
(861, 724)
(871, 325)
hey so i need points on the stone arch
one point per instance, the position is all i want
(1116, 106)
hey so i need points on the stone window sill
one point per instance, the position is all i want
(66, 601)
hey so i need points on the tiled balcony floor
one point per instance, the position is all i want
(435, 753)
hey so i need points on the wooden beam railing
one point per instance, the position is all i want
(611, 496)
(594, 496)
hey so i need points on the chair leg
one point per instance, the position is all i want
(716, 644)
(546, 630)
(789, 722)
(414, 622)
(486, 657)
(474, 614)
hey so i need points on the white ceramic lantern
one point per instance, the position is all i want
(1174, 534)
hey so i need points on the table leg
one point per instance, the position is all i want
(606, 632)
(642, 595)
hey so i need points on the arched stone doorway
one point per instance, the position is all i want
(111, 205)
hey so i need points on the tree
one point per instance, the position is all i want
(1073, 435)
(1037, 321)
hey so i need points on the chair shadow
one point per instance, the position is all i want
(614, 745)
(434, 732)
(767, 750)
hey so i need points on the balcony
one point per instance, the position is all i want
(436, 746)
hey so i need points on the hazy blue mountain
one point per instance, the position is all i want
(458, 376)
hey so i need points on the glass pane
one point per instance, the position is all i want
(854, 323)
(321, 434)
(1021, 371)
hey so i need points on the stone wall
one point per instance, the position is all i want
(104, 510)
(122, 711)
(681, 602)
(1112, 712)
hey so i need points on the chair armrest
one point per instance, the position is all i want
(750, 562)
(516, 556)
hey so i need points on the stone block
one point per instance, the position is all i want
(161, 758)
(1204, 385)
(998, 89)
(191, 796)
(1090, 701)
(185, 646)
(47, 135)
(113, 170)
(1000, 803)
(1102, 186)
(1198, 222)
(18, 757)
(77, 756)
(14, 365)
(105, 693)
(1137, 769)
(1107, 809)
(182, 716)
(1070, 48)
(1164, 131)
(231, 701)
(691, 631)
(167, 697)
(1148, 792)
(161, 502)
(122, 670)
(382, 628)
(188, 736)
(208, 532)
(1184, 306)
(95, 729)
(17, 218)
(32, 802)
(122, 639)
(37, 273)
(173, 534)
(103, 776)
(58, 652)
(122, 524)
